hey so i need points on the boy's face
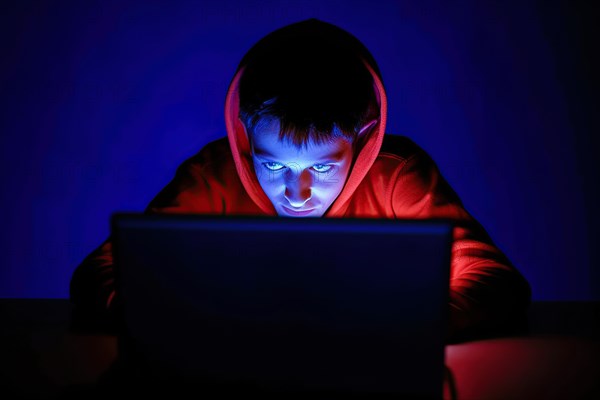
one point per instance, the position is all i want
(300, 182)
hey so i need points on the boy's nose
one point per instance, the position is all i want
(298, 188)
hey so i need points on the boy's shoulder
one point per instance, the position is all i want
(213, 160)
(216, 152)
(398, 147)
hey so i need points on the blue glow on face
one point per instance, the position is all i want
(300, 182)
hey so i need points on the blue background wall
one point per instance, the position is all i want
(102, 101)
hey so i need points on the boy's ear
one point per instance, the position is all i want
(367, 128)
(247, 134)
(243, 125)
(245, 129)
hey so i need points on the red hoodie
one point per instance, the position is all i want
(391, 177)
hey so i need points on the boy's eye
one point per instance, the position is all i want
(321, 168)
(273, 166)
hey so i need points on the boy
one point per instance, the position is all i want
(305, 116)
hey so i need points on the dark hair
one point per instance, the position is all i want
(312, 80)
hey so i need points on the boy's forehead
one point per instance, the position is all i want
(266, 142)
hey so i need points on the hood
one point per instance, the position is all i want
(365, 153)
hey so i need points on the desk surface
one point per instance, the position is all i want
(40, 357)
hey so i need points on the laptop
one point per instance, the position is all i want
(283, 305)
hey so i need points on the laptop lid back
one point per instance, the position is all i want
(340, 305)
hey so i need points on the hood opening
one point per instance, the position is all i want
(367, 147)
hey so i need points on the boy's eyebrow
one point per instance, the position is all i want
(260, 152)
(337, 156)
(328, 158)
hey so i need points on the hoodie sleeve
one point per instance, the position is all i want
(92, 287)
(488, 296)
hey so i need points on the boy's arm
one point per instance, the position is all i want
(92, 288)
(488, 296)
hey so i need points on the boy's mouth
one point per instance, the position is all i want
(297, 213)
